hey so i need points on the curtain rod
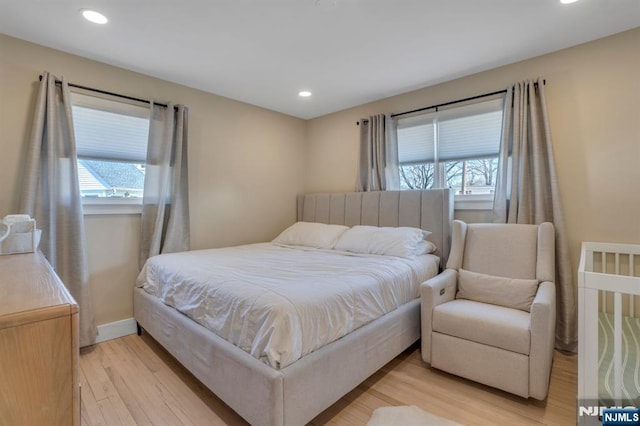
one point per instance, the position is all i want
(471, 98)
(117, 95)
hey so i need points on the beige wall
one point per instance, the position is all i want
(593, 99)
(247, 164)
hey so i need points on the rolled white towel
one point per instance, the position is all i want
(13, 218)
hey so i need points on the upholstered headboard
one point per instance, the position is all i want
(431, 210)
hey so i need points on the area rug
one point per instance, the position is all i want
(406, 416)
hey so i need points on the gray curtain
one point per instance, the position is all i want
(50, 193)
(378, 161)
(527, 189)
(165, 211)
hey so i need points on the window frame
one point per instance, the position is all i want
(461, 201)
(97, 206)
(90, 99)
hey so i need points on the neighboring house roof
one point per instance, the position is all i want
(87, 180)
(111, 174)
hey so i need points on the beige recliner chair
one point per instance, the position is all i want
(491, 315)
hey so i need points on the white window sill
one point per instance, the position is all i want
(473, 202)
(108, 206)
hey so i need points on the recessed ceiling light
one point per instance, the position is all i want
(304, 93)
(568, 1)
(93, 16)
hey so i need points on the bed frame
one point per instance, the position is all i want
(297, 393)
(608, 282)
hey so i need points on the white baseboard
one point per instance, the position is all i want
(116, 329)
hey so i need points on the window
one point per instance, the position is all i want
(455, 148)
(111, 141)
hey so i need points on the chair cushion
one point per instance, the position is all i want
(491, 325)
(508, 292)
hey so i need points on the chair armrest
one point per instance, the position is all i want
(433, 292)
(543, 333)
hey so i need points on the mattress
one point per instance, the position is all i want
(630, 359)
(279, 303)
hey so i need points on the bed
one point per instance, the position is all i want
(609, 327)
(292, 392)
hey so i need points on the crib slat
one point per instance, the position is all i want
(617, 347)
(603, 294)
(617, 257)
(588, 255)
(632, 298)
(588, 344)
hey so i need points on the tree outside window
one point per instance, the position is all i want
(476, 176)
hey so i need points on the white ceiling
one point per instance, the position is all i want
(347, 52)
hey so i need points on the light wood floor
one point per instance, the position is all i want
(132, 380)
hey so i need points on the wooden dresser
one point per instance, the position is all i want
(39, 382)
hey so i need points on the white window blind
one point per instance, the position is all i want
(463, 133)
(476, 136)
(110, 130)
(415, 144)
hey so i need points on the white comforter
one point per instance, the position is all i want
(280, 303)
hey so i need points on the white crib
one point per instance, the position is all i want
(609, 324)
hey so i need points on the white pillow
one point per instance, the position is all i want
(311, 234)
(508, 292)
(400, 242)
(424, 247)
